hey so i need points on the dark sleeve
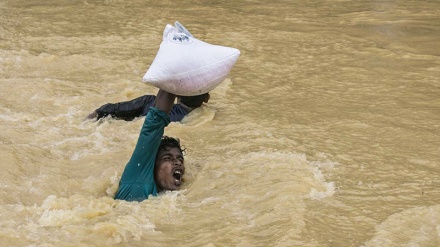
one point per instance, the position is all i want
(178, 112)
(127, 110)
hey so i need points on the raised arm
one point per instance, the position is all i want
(165, 101)
(137, 181)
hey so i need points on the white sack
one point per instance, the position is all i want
(187, 66)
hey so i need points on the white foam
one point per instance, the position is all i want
(418, 226)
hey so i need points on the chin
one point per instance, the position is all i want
(170, 187)
(174, 188)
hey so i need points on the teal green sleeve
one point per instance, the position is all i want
(137, 181)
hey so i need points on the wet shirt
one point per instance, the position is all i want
(178, 112)
(137, 181)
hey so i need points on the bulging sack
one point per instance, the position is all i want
(187, 66)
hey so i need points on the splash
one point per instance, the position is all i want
(412, 227)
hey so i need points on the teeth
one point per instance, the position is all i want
(178, 172)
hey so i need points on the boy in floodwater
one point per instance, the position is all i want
(129, 110)
(157, 161)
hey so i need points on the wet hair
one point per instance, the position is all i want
(193, 101)
(170, 142)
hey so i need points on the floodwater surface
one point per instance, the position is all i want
(325, 133)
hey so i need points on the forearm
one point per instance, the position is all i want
(165, 101)
(127, 110)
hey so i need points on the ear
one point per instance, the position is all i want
(207, 98)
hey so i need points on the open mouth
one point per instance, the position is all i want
(177, 175)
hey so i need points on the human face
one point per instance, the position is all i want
(169, 169)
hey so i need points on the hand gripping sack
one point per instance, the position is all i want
(187, 66)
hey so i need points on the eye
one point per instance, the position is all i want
(180, 158)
